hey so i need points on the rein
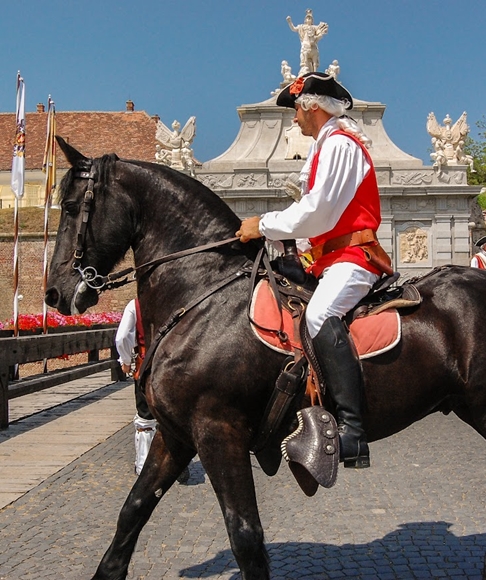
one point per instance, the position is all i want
(101, 283)
(90, 276)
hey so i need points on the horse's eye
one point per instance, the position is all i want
(71, 208)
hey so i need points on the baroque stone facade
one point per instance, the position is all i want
(426, 214)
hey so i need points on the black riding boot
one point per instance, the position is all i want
(342, 372)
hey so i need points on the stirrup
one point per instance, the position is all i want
(314, 446)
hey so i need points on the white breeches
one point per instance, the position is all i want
(340, 288)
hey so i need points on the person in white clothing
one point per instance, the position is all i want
(339, 214)
(479, 259)
(129, 342)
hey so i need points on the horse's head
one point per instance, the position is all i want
(94, 231)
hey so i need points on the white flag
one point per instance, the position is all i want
(18, 163)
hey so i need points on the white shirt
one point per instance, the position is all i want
(341, 170)
(126, 337)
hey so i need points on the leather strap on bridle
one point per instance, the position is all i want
(88, 198)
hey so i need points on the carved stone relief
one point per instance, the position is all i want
(413, 245)
(400, 205)
(383, 177)
(248, 207)
(217, 181)
(426, 204)
(277, 181)
(250, 180)
(412, 178)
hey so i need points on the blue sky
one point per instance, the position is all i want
(189, 57)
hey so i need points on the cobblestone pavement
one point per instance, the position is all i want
(419, 512)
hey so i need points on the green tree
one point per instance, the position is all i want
(477, 148)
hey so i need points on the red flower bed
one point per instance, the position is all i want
(54, 320)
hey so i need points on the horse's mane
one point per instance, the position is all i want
(105, 165)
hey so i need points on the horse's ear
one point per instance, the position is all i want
(71, 154)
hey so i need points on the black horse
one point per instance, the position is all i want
(211, 378)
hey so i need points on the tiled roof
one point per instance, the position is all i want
(130, 134)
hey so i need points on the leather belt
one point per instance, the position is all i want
(360, 238)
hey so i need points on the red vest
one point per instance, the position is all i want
(362, 212)
(139, 326)
(480, 260)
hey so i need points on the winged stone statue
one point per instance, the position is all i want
(175, 142)
(448, 140)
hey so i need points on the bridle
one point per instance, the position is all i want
(89, 274)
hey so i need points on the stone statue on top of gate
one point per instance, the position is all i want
(174, 146)
(309, 34)
(448, 141)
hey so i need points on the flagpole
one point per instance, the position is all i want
(49, 167)
(16, 269)
(17, 185)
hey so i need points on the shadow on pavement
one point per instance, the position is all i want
(414, 550)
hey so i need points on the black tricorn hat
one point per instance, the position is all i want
(481, 242)
(314, 83)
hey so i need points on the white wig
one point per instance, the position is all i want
(336, 108)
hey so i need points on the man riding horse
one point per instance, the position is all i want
(339, 214)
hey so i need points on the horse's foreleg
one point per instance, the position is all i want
(160, 471)
(225, 457)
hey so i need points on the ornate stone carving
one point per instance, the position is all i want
(452, 177)
(382, 177)
(448, 142)
(287, 75)
(412, 178)
(276, 182)
(174, 146)
(250, 180)
(414, 246)
(400, 205)
(309, 34)
(246, 180)
(333, 69)
(216, 182)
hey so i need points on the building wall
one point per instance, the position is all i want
(30, 286)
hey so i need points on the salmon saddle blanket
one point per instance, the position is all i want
(372, 335)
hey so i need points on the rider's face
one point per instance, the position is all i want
(303, 118)
(310, 121)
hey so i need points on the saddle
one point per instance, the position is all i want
(276, 312)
